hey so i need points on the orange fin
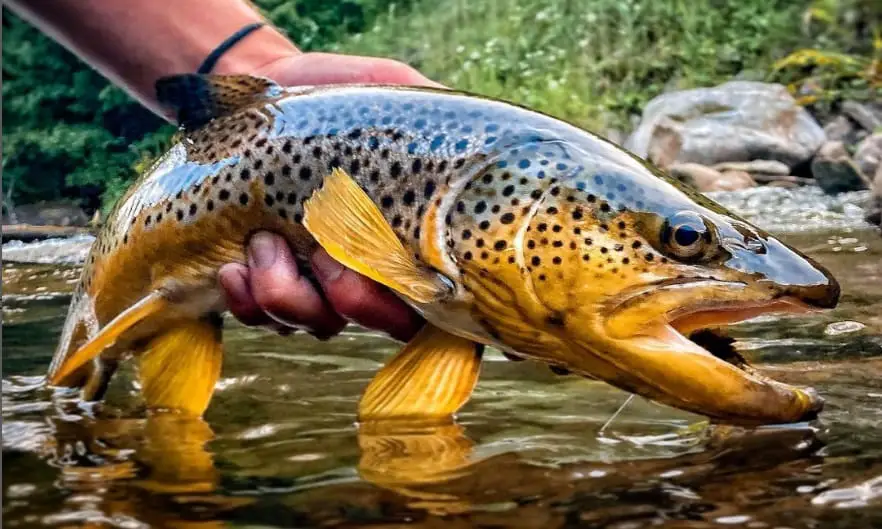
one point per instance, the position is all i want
(180, 367)
(351, 228)
(148, 306)
(430, 378)
(199, 98)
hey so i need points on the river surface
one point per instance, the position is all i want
(280, 447)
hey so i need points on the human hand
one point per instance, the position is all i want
(271, 290)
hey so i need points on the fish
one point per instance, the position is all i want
(501, 225)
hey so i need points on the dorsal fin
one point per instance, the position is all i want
(199, 98)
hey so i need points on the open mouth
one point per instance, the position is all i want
(685, 362)
(703, 326)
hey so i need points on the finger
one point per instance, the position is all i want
(330, 68)
(282, 293)
(234, 280)
(363, 301)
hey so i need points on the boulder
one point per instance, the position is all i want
(867, 116)
(736, 121)
(874, 213)
(868, 155)
(766, 167)
(46, 214)
(835, 172)
(844, 129)
(707, 179)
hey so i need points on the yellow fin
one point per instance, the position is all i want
(108, 335)
(351, 228)
(431, 378)
(179, 368)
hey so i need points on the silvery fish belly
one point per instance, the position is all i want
(501, 225)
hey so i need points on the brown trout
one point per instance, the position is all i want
(500, 225)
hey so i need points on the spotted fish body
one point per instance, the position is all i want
(537, 228)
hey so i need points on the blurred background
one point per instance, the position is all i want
(69, 136)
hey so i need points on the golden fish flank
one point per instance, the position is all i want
(501, 225)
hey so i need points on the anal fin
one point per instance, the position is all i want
(179, 368)
(430, 378)
(141, 311)
(351, 228)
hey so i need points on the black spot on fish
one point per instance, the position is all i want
(269, 178)
(577, 214)
(508, 190)
(499, 245)
(408, 197)
(417, 166)
(536, 261)
(556, 260)
(375, 175)
(466, 235)
(305, 173)
(395, 170)
(636, 244)
(467, 256)
(387, 201)
(429, 189)
(224, 194)
(484, 224)
(480, 207)
(354, 167)
(180, 214)
(506, 218)
(268, 200)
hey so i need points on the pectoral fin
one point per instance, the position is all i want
(431, 377)
(350, 227)
(142, 310)
(179, 368)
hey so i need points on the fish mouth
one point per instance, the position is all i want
(682, 360)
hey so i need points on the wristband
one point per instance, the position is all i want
(211, 61)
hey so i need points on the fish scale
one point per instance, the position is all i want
(502, 226)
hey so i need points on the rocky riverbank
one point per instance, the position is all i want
(744, 134)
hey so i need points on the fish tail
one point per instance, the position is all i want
(179, 367)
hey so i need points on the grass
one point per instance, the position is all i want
(593, 62)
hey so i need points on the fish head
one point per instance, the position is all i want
(609, 269)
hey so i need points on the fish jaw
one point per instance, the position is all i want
(642, 346)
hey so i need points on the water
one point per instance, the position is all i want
(279, 446)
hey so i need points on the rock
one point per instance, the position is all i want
(766, 167)
(835, 172)
(868, 155)
(843, 129)
(707, 179)
(736, 121)
(616, 136)
(874, 212)
(868, 117)
(28, 233)
(47, 214)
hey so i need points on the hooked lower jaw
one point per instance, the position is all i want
(663, 364)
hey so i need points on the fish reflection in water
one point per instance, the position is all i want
(159, 470)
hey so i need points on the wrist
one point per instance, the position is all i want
(256, 53)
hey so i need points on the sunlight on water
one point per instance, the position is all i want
(280, 446)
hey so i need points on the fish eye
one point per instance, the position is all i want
(685, 236)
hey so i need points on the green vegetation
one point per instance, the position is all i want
(594, 62)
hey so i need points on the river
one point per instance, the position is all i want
(279, 446)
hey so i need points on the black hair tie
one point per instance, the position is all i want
(211, 61)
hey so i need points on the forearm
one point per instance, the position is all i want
(133, 43)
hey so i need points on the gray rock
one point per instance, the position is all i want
(868, 155)
(835, 172)
(874, 212)
(843, 129)
(868, 117)
(46, 214)
(767, 167)
(707, 179)
(736, 121)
